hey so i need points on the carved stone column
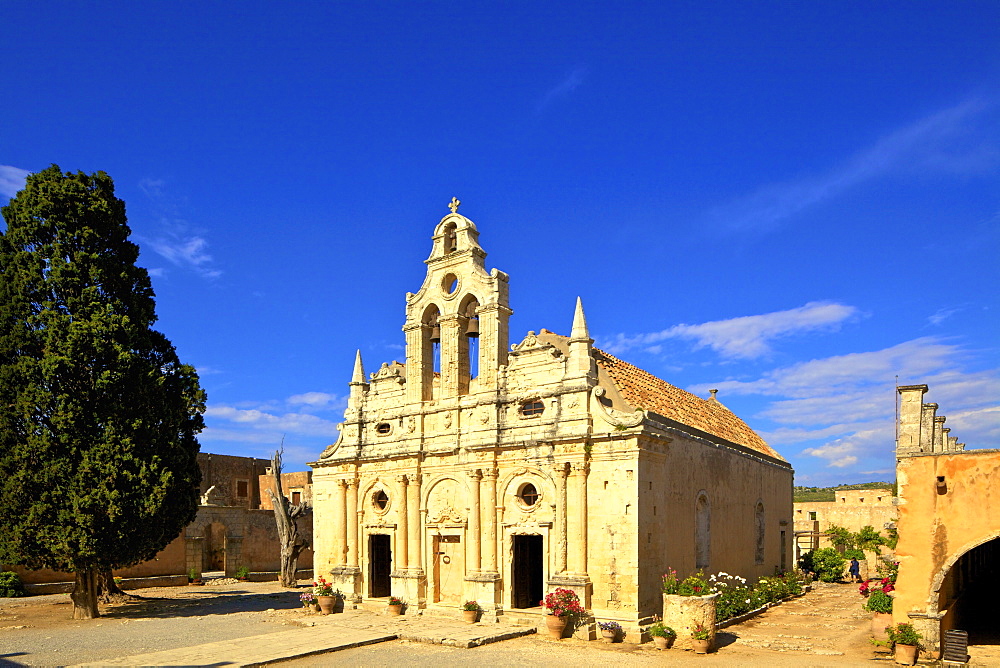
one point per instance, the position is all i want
(352, 523)
(414, 562)
(402, 535)
(559, 473)
(340, 544)
(580, 475)
(489, 520)
(474, 549)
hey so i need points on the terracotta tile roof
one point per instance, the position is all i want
(643, 390)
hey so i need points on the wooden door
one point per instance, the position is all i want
(449, 569)
(379, 566)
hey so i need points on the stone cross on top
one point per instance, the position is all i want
(453, 205)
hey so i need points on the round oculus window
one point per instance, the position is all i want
(528, 494)
(449, 284)
(380, 500)
(383, 428)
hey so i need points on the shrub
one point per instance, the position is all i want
(903, 634)
(694, 585)
(563, 603)
(242, 573)
(10, 585)
(879, 601)
(658, 630)
(828, 564)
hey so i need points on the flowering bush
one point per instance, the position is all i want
(471, 606)
(670, 582)
(700, 632)
(610, 626)
(563, 603)
(694, 585)
(307, 599)
(658, 630)
(322, 588)
(395, 600)
(870, 586)
(736, 595)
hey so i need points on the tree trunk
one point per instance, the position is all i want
(285, 516)
(107, 590)
(85, 595)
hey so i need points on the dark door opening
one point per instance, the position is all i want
(528, 588)
(379, 566)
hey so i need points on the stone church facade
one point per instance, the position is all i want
(479, 470)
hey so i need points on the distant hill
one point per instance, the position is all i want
(807, 494)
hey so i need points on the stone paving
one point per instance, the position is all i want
(327, 633)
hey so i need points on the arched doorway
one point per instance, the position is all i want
(968, 594)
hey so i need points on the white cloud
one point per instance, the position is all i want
(563, 88)
(188, 252)
(318, 401)
(844, 452)
(12, 179)
(746, 336)
(947, 141)
(942, 314)
(297, 423)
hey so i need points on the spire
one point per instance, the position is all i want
(359, 370)
(579, 332)
(580, 364)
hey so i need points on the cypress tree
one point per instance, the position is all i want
(98, 417)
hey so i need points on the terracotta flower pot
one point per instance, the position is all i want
(326, 604)
(700, 646)
(662, 642)
(470, 616)
(880, 620)
(395, 610)
(555, 625)
(906, 655)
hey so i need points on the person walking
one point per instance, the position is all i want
(855, 570)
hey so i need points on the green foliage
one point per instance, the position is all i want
(841, 538)
(98, 416)
(854, 554)
(658, 630)
(242, 573)
(869, 540)
(892, 537)
(694, 585)
(903, 634)
(827, 563)
(879, 601)
(10, 585)
(824, 494)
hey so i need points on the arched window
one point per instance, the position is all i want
(702, 531)
(758, 520)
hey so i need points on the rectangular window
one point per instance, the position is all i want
(242, 488)
(812, 514)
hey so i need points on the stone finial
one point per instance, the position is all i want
(359, 370)
(579, 331)
(713, 397)
(454, 204)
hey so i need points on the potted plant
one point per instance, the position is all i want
(307, 599)
(663, 636)
(906, 641)
(879, 603)
(395, 607)
(325, 596)
(701, 638)
(561, 605)
(610, 631)
(242, 573)
(470, 611)
(194, 577)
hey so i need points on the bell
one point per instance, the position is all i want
(436, 333)
(472, 331)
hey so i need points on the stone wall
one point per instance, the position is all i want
(235, 479)
(297, 487)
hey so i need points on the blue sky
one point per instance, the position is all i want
(794, 203)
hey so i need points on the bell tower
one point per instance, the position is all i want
(462, 310)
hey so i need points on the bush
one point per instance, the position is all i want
(903, 634)
(10, 585)
(879, 601)
(828, 564)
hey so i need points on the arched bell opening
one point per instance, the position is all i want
(969, 592)
(470, 326)
(450, 238)
(431, 344)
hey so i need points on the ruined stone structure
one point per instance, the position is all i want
(482, 470)
(851, 509)
(949, 527)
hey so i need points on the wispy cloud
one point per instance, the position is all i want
(950, 141)
(842, 407)
(12, 180)
(744, 337)
(318, 401)
(943, 314)
(563, 88)
(189, 252)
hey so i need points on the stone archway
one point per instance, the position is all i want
(966, 591)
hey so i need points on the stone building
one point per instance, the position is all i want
(482, 470)
(949, 527)
(851, 509)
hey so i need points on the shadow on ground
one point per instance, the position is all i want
(202, 605)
